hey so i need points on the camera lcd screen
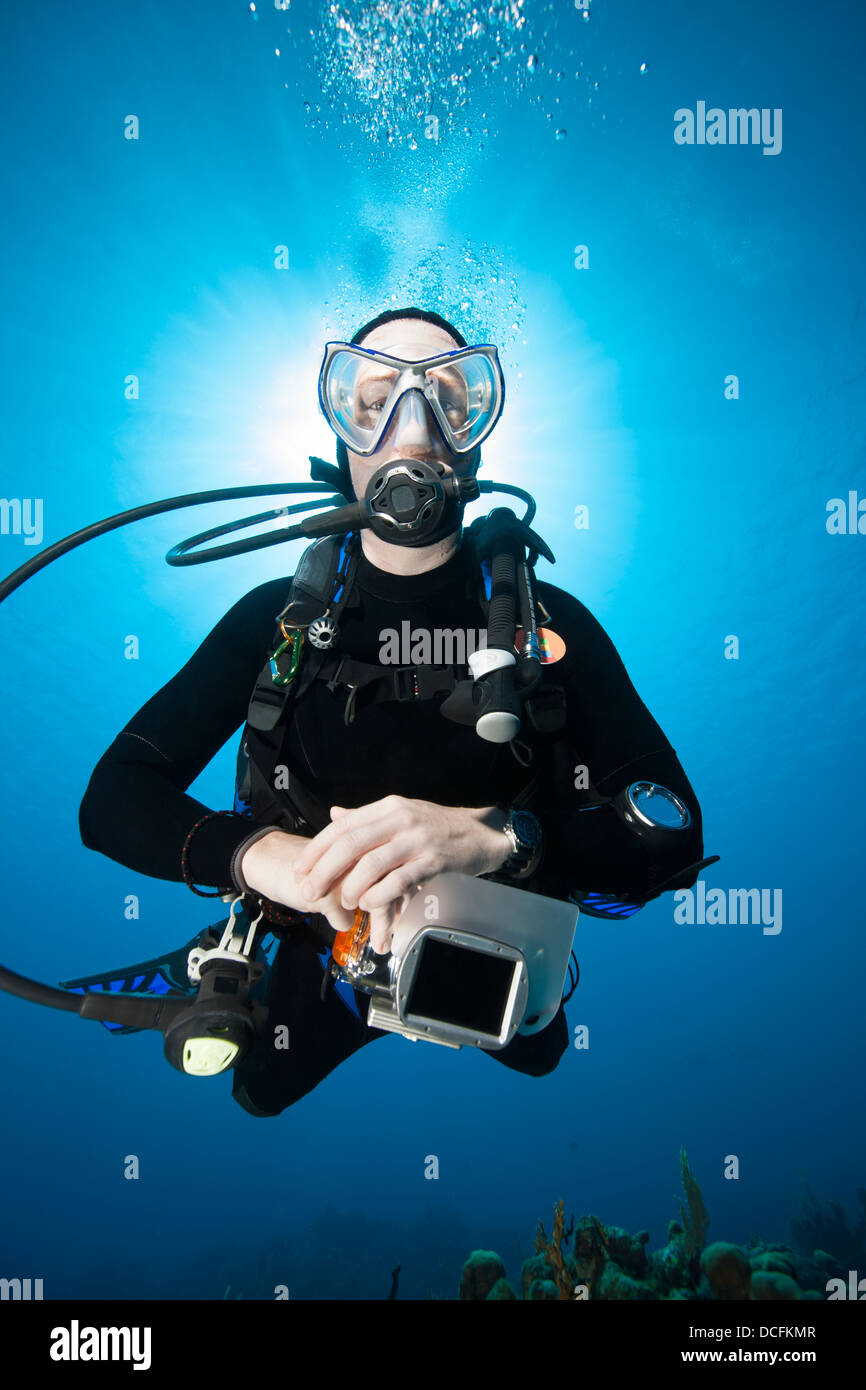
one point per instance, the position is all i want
(457, 985)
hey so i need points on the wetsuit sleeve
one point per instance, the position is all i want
(611, 740)
(135, 809)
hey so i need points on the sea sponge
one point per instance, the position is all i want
(770, 1284)
(616, 1284)
(541, 1289)
(669, 1267)
(825, 1261)
(627, 1251)
(774, 1261)
(480, 1272)
(501, 1290)
(590, 1250)
(536, 1267)
(727, 1270)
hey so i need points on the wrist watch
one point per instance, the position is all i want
(524, 831)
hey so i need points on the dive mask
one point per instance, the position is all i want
(361, 388)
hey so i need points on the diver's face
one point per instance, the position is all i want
(413, 432)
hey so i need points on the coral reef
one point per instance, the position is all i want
(481, 1273)
(609, 1263)
(727, 1269)
(554, 1254)
(694, 1213)
(771, 1284)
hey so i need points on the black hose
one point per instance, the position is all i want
(170, 504)
(36, 993)
(503, 595)
(322, 524)
(487, 485)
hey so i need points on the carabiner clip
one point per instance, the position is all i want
(293, 644)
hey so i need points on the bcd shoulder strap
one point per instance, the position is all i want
(322, 581)
(312, 592)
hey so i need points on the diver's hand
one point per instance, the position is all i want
(268, 868)
(376, 856)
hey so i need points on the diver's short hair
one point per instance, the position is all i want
(426, 314)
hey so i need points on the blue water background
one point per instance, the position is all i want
(707, 519)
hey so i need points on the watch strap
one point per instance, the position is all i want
(524, 858)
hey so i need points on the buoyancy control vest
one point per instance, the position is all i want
(321, 589)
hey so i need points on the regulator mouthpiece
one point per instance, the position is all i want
(411, 502)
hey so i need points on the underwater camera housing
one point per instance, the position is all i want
(472, 963)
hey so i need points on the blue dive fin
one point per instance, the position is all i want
(606, 905)
(166, 974)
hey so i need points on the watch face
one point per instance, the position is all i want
(526, 827)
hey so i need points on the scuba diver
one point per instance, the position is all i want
(375, 758)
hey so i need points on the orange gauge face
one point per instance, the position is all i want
(550, 643)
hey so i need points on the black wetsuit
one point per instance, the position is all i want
(136, 809)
